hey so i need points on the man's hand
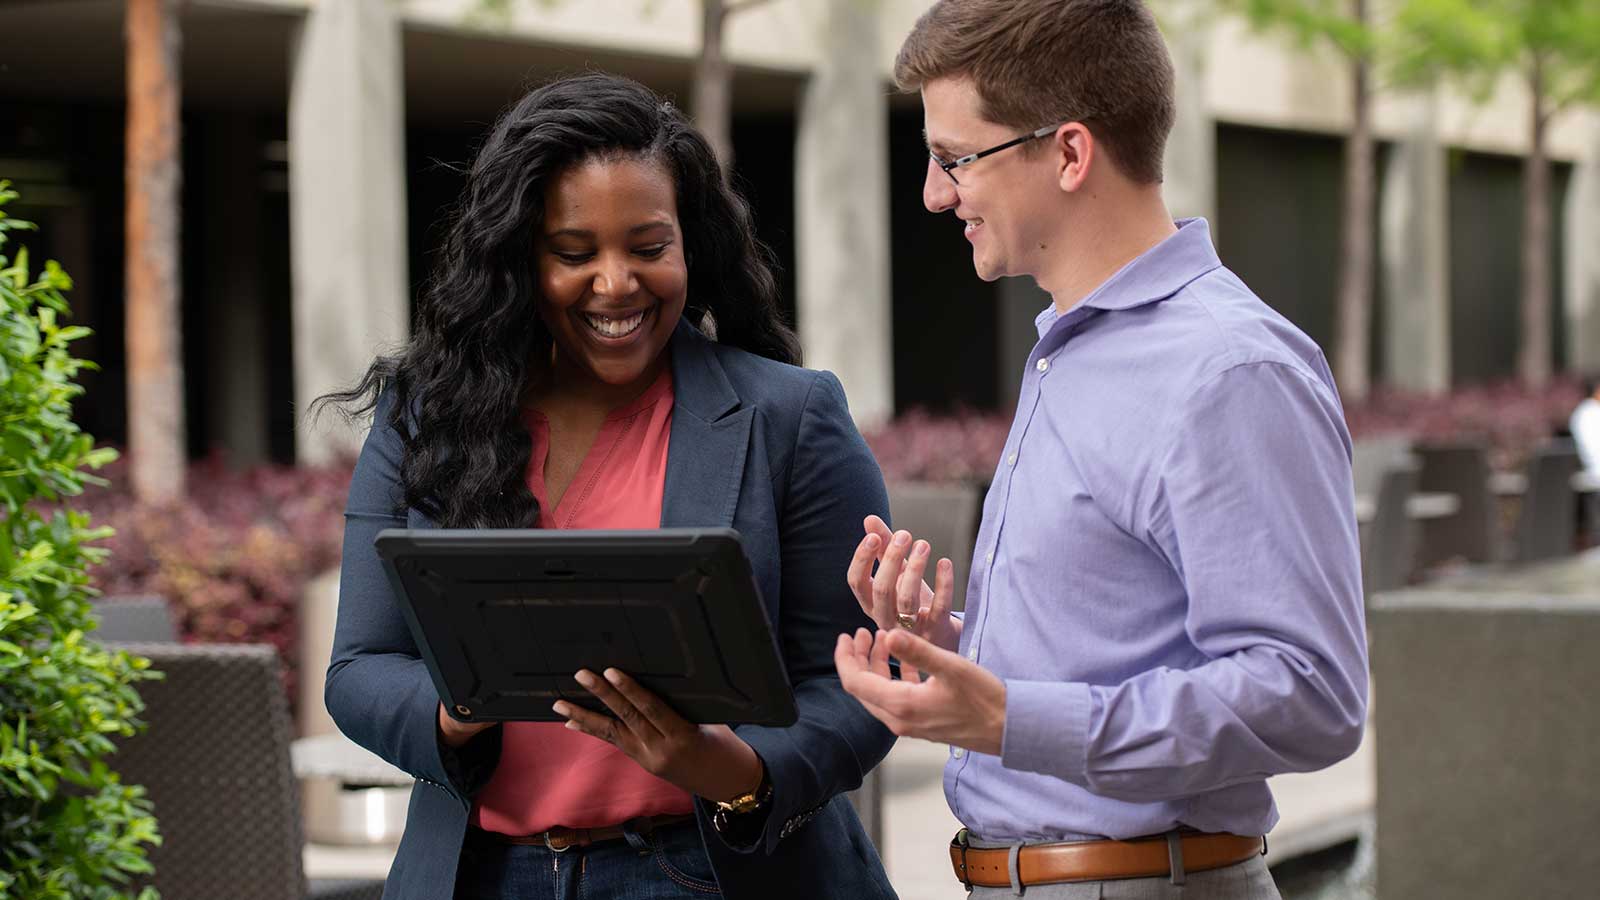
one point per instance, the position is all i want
(707, 760)
(898, 587)
(959, 702)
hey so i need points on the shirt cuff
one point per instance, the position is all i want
(1047, 728)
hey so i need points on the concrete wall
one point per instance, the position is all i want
(1487, 745)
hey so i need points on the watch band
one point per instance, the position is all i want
(751, 801)
(742, 805)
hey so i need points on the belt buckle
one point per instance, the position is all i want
(553, 848)
(962, 841)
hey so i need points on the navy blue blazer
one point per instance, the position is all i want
(764, 447)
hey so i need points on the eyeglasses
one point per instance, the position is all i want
(950, 167)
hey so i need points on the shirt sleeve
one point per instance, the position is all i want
(1252, 506)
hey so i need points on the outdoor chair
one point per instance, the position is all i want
(1461, 469)
(944, 515)
(1373, 456)
(1550, 507)
(215, 760)
(1389, 548)
(142, 619)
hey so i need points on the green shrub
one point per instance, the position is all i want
(68, 827)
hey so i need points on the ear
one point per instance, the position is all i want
(1075, 152)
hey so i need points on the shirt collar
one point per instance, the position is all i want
(1153, 275)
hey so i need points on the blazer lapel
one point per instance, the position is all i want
(710, 436)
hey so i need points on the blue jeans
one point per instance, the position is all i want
(667, 864)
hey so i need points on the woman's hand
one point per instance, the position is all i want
(706, 760)
(898, 588)
(456, 734)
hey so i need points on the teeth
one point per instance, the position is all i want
(614, 328)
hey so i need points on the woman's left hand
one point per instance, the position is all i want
(706, 760)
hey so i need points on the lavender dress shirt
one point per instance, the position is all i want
(1167, 575)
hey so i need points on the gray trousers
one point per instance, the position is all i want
(1248, 880)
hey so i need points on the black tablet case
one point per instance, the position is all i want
(504, 618)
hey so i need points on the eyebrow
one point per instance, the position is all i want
(940, 148)
(585, 233)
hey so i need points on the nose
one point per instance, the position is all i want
(614, 278)
(938, 191)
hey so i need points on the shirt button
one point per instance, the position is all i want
(1042, 365)
(972, 654)
(1011, 460)
(957, 752)
(989, 557)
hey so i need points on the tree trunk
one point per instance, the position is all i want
(1353, 334)
(1533, 357)
(156, 441)
(713, 83)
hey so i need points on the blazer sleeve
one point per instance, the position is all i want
(378, 690)
(833, 483)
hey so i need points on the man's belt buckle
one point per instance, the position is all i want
(962, 841)
(553, 848)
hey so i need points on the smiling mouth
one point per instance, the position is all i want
(973, 225)
(609, 327)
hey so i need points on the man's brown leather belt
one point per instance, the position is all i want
(559, 839)
(1098, 860)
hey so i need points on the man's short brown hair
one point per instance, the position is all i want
(1038, 62)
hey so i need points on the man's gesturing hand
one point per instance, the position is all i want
(959, 702)
(897, 588)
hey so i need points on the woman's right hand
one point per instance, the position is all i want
(456, 734)
(898, 587)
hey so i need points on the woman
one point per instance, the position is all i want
(601, 348)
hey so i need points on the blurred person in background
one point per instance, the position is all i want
(601, 347)
(1165, 604)
(1585, 426)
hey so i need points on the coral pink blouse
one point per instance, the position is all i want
(549, 775)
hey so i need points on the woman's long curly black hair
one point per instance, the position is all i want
(478, 339)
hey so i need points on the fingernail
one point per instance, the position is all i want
(559, 708)
(872, 542)
(571, 725)
(613, 676)
(585, 678)
(902, 538)
(922, 548)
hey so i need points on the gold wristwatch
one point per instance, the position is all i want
(744, 803)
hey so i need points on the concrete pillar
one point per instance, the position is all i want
(1414, 230)
(1190, 165)
(1582, 275)
(347, 205)
(842, 212)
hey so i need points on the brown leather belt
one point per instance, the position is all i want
(1062, 863)
(560, 839)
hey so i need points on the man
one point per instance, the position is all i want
(1165, 603)
(1585, 426)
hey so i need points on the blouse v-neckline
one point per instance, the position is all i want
(613, 429)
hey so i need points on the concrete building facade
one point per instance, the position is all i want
(323, 141)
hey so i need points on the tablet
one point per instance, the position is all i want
(505, 618)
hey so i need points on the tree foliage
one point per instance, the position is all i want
(69, 829)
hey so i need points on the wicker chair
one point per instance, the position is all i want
(142, 619)
(215, 759)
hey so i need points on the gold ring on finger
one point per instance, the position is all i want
(906, 620)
